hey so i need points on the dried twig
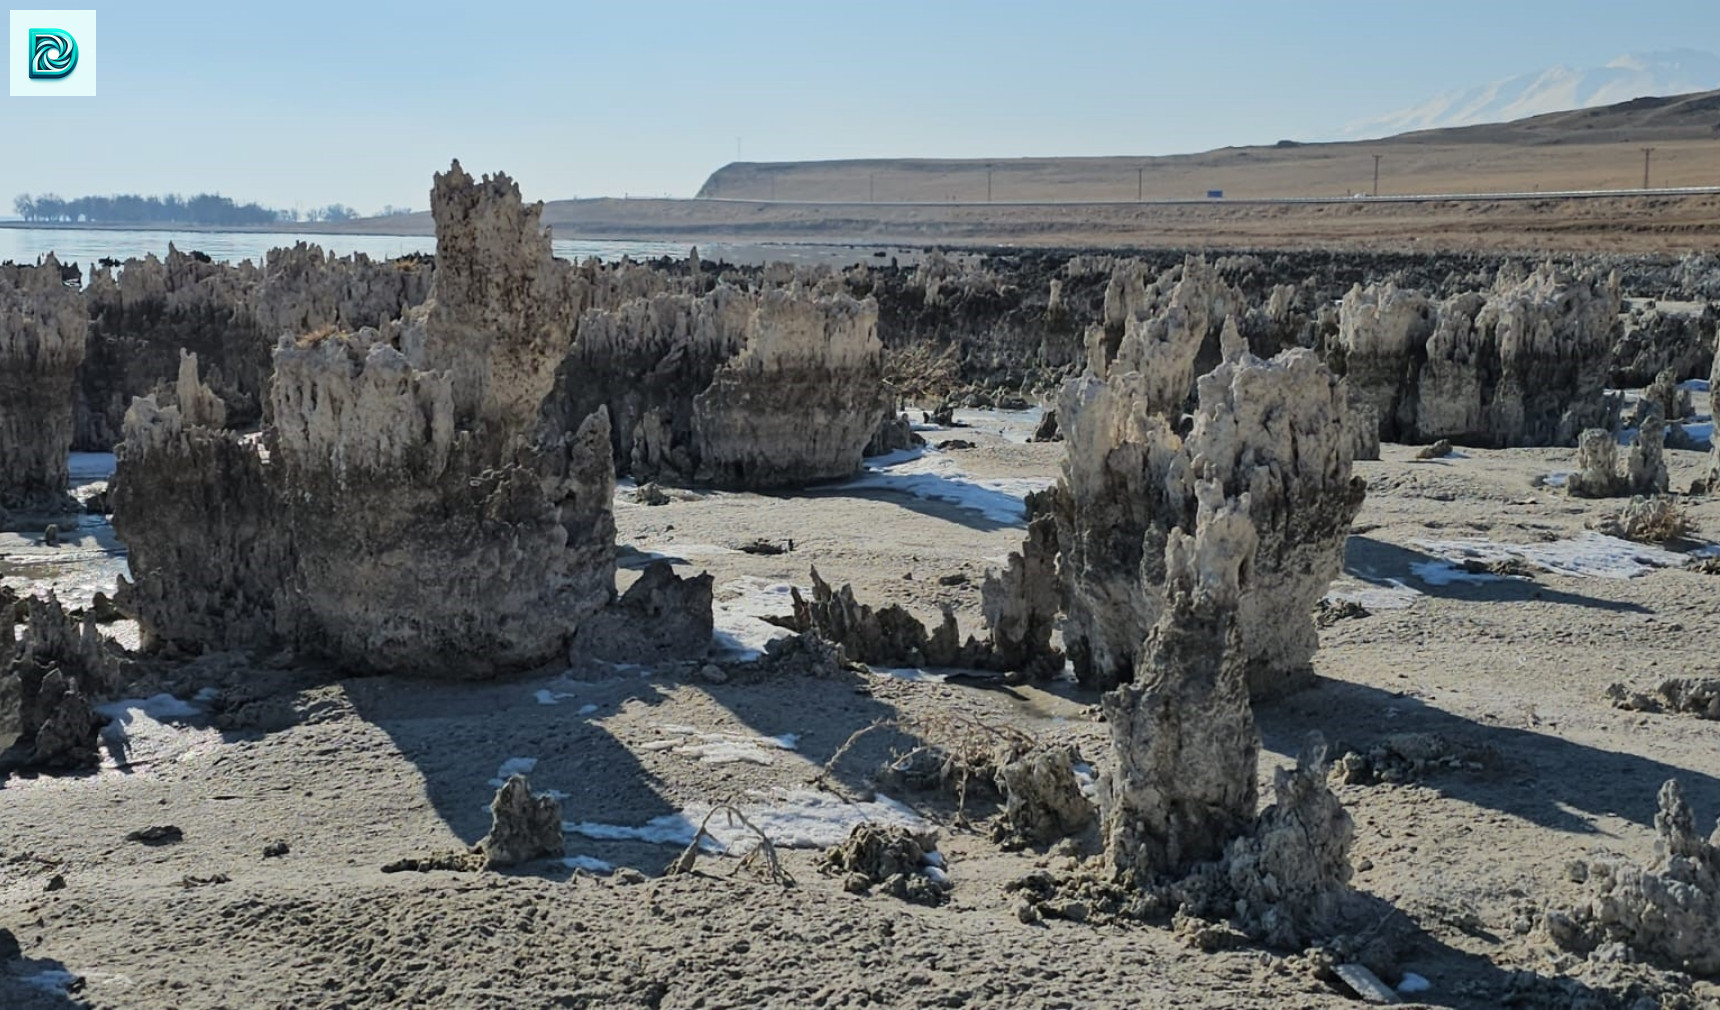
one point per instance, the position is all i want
(764, 852)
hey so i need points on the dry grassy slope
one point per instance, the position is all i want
(1585, 149)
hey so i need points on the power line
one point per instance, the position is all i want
(1647, 152)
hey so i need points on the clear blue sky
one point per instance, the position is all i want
(307, 103)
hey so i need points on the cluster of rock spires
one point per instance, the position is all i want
(1182, 556)
(49, 681)
(1666, 912)
(1136, 469)
(42, 339)
(145, 312)
(395, 515)
(1525, 363)
(435, 494)
(732, 388)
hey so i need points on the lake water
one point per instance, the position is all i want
(86, 245)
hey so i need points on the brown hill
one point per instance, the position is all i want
(1093, 201)
(1586, 149)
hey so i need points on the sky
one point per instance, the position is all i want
(307, 103)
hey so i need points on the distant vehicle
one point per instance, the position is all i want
(1215, 194)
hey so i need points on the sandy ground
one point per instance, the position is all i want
(355, 773)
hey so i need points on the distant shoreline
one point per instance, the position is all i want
(285, 228)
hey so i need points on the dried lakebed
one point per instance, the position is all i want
(1530, 768)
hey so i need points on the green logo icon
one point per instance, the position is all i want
(53, 54)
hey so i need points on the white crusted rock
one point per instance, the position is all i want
(1275, 429)
(1183, 733)
(43, 326)
(1666, 911)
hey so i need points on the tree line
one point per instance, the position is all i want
(202, 209)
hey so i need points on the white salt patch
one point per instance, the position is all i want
(160, 707)
(911, 674)
(144, 731)
(937, 477)
(1087, 780)
(797, 819)
(512, 767)
(1558, 478)
(206, 695)
(935, 874)
(1587, 555)
(933, 858)
(587, 709)
(669, 829)
(548, 697)
(1413, 983)
(1444, 573)
(802, 819)
(738, 630)
(724, 748)
(1389, 594)
(590, 864)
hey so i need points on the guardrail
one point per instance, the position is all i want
(1569, 194)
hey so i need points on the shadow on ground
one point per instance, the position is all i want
(1387, 565)
(1545, 779)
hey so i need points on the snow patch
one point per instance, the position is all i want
(1444, 573)
(1413, 983)
(911, 674)
(1386, 594)
(1087, 779)
(590, 864)
(723, 748)
(160, 707)
(738, 628)
(935, 476)
(143, 731)
(1587, 555)
(791, 819)
(512, 767)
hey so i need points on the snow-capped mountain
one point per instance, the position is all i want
(1632, 76)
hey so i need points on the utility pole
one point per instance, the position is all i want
(1377, 174)
(1140, 183)
(1647, 152)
